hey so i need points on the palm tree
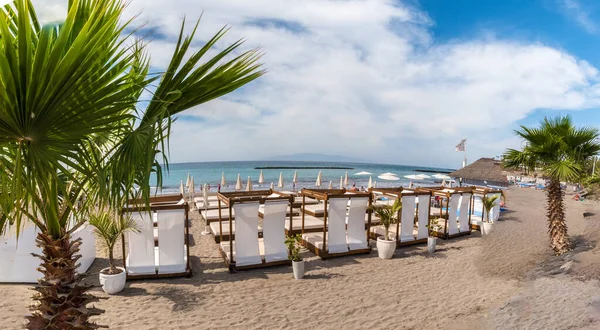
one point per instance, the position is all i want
(559, 150)
(488, 205)
(72, 134)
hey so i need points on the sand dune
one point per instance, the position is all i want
(508, 280)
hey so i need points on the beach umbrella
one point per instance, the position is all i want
(389, 174)
(370, 185)
(181, 189)
(261, 179)
(444, 183)
(223, 182)
(441, 176)
(272, 186)
(206, 205)
(188, 181)
(295, 179)
(346, 179)
(413, 177)
(192, 192)
(388, 177)
(362, 173)
(330, 185)
(280, 183)
(410, 185)
(249, 185)
(238, 184)
(318, 183)
(341, 182)
(423, 176)
(375, 184)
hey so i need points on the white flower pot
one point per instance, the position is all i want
(486, 228)
(385, 248)
(431, 244)
(298, 267)
(112, 284)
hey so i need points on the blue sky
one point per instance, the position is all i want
(388, 81)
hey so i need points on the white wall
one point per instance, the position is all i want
(18, 265)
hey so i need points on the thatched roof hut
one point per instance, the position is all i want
(483, 172)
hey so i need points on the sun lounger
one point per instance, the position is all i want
(274, 231)
(343, 231)
(463, 217)
(171, 245)
(215, 230)
(246, 241)
(213, 215)
(261, 212)
(141, 257)
(316, 210)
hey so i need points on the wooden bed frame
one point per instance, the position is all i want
(482, 192)
(325, 195)
(231, 198)
(397, 193)
(439, 192)
(161, 203)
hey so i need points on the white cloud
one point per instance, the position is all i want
(366, 79)
(574, 10)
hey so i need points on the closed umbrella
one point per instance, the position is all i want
(272, 186)
(375, 184)
(238, 184)
(223, 182)
(192, 192)
(261, 179)
(280, 183)
(444, 183)
(181, 189)
(206, 205)
(295, 179)
(249, 185)
(330, 185)
(346, 179)
(341, 182)
(318, 183)
(187, 182)
(370, 185)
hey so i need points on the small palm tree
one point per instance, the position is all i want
(559, 150)
(388, 214)
(108, 229)
(488, 205)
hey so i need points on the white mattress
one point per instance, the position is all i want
(225, 247)
(214, 227)
(310, 222)
(213, 215)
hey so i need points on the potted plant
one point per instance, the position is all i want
(433, 227)
(108, 229)
(388, 215)
(294, 246)
(488, 205)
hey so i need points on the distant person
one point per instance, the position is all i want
(362, 188)
(208, 186)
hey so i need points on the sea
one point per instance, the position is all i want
(210, 173)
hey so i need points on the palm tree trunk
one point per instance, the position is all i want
(60, 299)
(557, 227)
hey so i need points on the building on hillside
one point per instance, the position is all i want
(483, 172)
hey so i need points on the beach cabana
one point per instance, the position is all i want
(485, 172)
(161, 247)
(413, 218)
(454, 208)
(343, 226)
(477, 205)
(245, 248)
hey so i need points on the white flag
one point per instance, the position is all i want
(461, 146)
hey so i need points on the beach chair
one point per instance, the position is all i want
(161, 247)
(172, 250)
(343, 232)
(252, 246)
(415, 206)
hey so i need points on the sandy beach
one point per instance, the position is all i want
(508, 280)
